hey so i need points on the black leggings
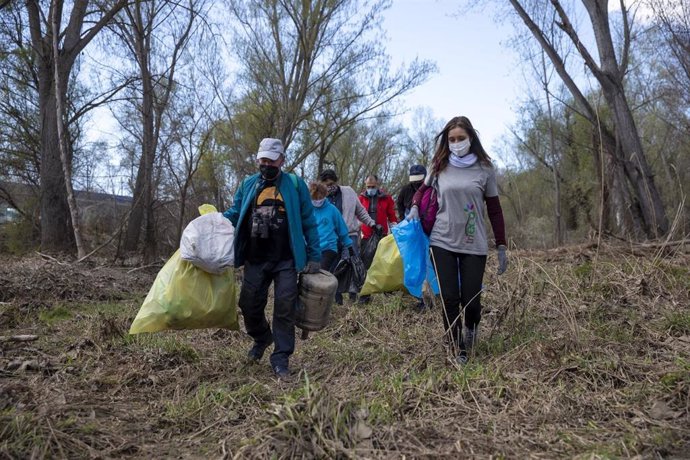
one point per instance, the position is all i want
(460, 279)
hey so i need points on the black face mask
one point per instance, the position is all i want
(333, 189)
(269, 172)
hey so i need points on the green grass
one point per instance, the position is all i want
(107, 308)
(677, 323)
(584, 271)
(168, 344)
(202, 402)
(54, 315)
(679, 377)
(250, 393)
(20, 433)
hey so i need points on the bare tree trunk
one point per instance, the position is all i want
(56, 228)
(620, 215)
(62, 142)
(150, 250)
(180, 219)
(136, 216)
(56, 231)
(143, 196)
(655, 222)
(627, 152)
(558, 227)
(143, 17)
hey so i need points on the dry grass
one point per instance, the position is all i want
(583, 353)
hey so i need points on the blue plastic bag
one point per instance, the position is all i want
(413, 245)
(430, 272)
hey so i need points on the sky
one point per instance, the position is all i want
(478, 76)
(477, 71)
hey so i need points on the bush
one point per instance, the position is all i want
(19, 237)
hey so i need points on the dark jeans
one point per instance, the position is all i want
(460, 279)
(355, 243)
(253, 299)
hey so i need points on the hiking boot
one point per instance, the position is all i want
(462, 358)
(471, 335)
(282, 373)
(257, 352)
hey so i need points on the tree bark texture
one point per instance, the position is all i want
(633, 159)
(631, 181)
(63, 146)
(56, 229)
(156, 91)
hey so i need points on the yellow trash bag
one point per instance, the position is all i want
(386, 271)
(186, 297)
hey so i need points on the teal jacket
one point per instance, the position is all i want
(332, 228)
(304, 236)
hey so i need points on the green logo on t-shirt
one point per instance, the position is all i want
(470, 225)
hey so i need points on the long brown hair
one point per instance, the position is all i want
(442, 152)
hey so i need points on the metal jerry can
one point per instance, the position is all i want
(316, 296)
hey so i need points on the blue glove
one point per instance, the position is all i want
(413, 214)
(502, 259)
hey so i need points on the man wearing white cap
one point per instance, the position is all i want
(276, 236)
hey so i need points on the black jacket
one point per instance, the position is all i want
(404, 201)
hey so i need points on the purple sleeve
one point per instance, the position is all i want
(493, 209)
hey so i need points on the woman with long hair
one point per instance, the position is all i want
(464, 178)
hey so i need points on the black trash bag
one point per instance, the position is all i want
(359, 274)
(350, 274)
(343, 271)
(369, 248)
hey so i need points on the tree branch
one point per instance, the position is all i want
(566, 26)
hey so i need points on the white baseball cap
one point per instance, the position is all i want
(270, 148)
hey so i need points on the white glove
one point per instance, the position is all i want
(413, 214)
(502, 259)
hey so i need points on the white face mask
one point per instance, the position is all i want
(461, 148)
(318, 203)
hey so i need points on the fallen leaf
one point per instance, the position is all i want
(661, 411)
(362, 430)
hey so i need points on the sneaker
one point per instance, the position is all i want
(420, 307)
(364, 299)
(470, 337)
(257, 351)
(282, 373)
(462, 358)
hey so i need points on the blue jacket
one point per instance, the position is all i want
(300, 215)
(332, 228)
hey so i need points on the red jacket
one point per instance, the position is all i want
(385, 211)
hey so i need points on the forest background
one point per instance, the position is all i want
(599, 147)
(584, 339)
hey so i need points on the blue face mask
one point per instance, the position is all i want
(372, 191)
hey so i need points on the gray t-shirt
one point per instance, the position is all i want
(460, 223)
